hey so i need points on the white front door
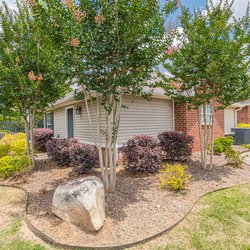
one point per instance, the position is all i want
(229, 120)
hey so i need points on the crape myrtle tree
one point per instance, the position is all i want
(30, 76)
(112, 48)
(210, 65)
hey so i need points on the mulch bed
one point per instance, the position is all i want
(137, 210)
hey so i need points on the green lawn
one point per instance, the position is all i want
(220, 221)
(10, 240)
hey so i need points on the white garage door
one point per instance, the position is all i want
(229, 120)
(145, 117)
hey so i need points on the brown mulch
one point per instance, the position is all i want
(137, 210)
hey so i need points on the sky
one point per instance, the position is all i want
(239, 5)
(239, 8)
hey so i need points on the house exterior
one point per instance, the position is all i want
(186, 120)
(68, 118)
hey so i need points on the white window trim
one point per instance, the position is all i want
(202, 115)
(46, 120)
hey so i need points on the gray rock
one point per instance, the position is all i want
(81, 202)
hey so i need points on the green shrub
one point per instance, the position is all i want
(243, 125)
(234, 158)
(18, 147)
(174, 176)
(246, 146)
(13, 145)
(10, 165)
(13, 154)
(222, 144)
(5, 145)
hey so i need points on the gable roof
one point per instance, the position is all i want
(69, 98)
(240, 104)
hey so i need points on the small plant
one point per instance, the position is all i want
(59, 149)
(174, 176)
(42, 136)
(176, 146)
(243, 125)
(142, 154)
(246, 146)
(10, 165)
(7, 166)
(13, 155)
(83, 157)
(5, 145)
(13, 145)
(223, 144)
(234, 158)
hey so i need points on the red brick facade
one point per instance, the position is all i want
(243, 115)
(186, 121)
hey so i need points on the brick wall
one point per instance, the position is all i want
(243, 116)
(186, 121)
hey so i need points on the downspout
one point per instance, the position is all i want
(173, 116)
(236, 118)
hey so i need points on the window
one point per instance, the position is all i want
(209, 114)
(49, 120)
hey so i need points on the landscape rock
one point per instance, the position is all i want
(81, 202)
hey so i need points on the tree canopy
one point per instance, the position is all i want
(31, 75)
(209, 63)
(211, 57)
(111, 48)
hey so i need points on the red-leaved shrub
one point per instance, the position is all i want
(142, 154)
(83, 157)
(42, 136)
(176, 146)
(58, 149)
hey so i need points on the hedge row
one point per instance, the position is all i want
(69, 152)
(144, 154)
(141, 154)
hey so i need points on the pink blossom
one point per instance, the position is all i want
(170, 50)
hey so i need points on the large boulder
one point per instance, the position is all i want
(81, 202)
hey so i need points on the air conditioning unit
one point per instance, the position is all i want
(241, 135)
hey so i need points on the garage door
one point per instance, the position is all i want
(145, 117)
(229, 120)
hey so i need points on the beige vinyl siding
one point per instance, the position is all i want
(60, 123)
(229, 120)
(82, 126)
(145, 117)
(140, 117)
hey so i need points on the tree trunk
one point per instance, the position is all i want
(112, 117)
(99, 143)
(32, 139)
(116, 124)
(27, 136)
(200, 136)
(205, 136)
(212, 137)
(112, 152)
